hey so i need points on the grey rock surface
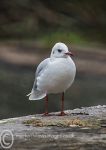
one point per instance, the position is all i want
(83, 129)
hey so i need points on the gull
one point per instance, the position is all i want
(54, 75)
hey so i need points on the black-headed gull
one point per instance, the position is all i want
(54, 75)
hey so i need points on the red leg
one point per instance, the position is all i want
(46, 106)
(62, 106)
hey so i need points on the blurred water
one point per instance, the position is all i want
(16, 82)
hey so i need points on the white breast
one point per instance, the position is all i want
(58, 76)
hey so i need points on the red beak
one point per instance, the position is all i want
(69, 53)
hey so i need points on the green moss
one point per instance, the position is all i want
(92, 123)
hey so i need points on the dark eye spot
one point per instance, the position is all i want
(59, 50)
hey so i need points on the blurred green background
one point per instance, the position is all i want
(28, 31)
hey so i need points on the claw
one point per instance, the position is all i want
(46, 114)
(62, 114)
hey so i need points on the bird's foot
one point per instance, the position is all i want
(46, 114)
(62, 113)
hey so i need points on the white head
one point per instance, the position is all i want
(60, 50)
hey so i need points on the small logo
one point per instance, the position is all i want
(6, 139)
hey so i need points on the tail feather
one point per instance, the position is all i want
(28, 94)
(36, 95)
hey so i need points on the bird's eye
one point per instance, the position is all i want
(59, 50)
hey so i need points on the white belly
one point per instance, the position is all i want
(58, 76)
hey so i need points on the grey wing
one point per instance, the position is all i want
(35, 93)
(41, 67)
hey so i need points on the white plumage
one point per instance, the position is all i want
(54, 74)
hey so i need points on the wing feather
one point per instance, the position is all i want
(35, 93)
